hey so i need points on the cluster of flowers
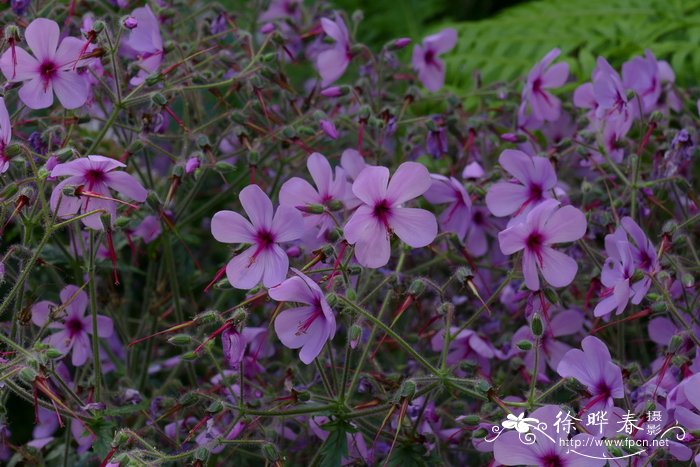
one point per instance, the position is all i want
(504, 229)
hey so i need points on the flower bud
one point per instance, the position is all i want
(225, 167)
(129, 22)
(28, 374)
(687, 280)
(159, 99)
(335, 205)
(312, 208)
(303, 396)
(675, 344)
(188, 398)
(524, 345)
(408, 389)
(119, 438)
(189, 356)
(471, 420)
(154, 79)
(551, 295)
(106, 220)
(215, 407)
(351, 294)
(463, 274)
(180, 339)
(335, 91)
(54, 353)
(398, 44)
(480, 433)
(536, 325)
(332, 299)
(416, 288)
(201, 454)
(253, 158)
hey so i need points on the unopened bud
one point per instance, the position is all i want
(53, 353)
(215, 407)
(537, 326)
(28, 374)
(351, 294)
(270, 452)
(129, 22)
(159, 99)
(416, 288)
(332, 299)
(675, 344)
(189, 356)
(524, 345)
(408, 389)
(399, 44)
(180, 339)
(154, 79)
(471, 420)
(303, 396)
(312, 209)
(480, 433)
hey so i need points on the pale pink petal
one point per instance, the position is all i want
(105, 327)
(566, 323)
(69, 205)
(331, 65)
(374, 253)
(513, 238)
(557, 268)
(505, 198)
(41, 312)
(68, 53)
(356, 227)
(71, 89)
(25, 68)
(257, 205)
(518, 164)
(287, 225)
(297, 192)
(409, 181)
(276, 265)
(371, 184)
(532, 279)
(287, 326)
(75, 299)
(433, 75)
(81, 349)
(443, 41)
(317, 337)
(556, 75)
(566, 224)
(42, 36)
(36, 95)
(294, 289)
(126, 185)
(231, 227)
(416, 227)
(243, 272)
(5, 124)
(321, 172)
(509, 450)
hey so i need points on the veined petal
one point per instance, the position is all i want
(244, 271)
(566, 224)
(409, 181)
(288, 224)
(126, 185)
(557, 268)
(26, 67)
(35, 94)
(42, 36)
(276, 265)
(257, 205)
(371, 184)
(71, 89)
(231, 227)
(416, 227)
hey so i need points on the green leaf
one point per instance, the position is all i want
(336, 445)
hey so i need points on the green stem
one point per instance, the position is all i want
(93, 311)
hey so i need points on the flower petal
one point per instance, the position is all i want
(126, 185)
(557, 268)
(71, 89)
(276, 265)
(416, 227)
(25, 67)
(36, 95)
(294, 289)
(287, 225)
(566, 224)
(243, 272)
(409, 181)
(231, 227)
(42, 36)
(257, 205)
(371, 184)
(505, 198)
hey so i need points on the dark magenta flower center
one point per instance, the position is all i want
(535, 192)
(537, 85)
(552, 460)
(265, 239)
(47, 70)
(94, 176)
(534, 241)
(74, 326)
(382, 211)
(478, 218)
(429, 56)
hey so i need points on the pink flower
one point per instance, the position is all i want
(298, 193)
(265, 260)
(53, 69)
(5, 136)
(426, 61)
(534, 180)
(307, 327)
(457, 216)
(74, 328)
(333, 62)
(382, 213)
(544, 106)
(144, 44)
(93, 177)
(149, 229)
(544, 226)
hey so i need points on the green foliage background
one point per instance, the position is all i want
(507, 44)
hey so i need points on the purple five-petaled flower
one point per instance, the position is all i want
(307, 327)
(264, 260)
(73, 327)
(382, 213)
(332, 62)
(53, 69)
(426, 58)
(93, 177)
(457, 216)
(544, 226)
(545, 106)
(534, 179)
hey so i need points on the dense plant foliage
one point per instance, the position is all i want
(246, 237)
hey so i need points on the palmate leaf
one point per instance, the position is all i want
(506, 46)
(336, 445)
